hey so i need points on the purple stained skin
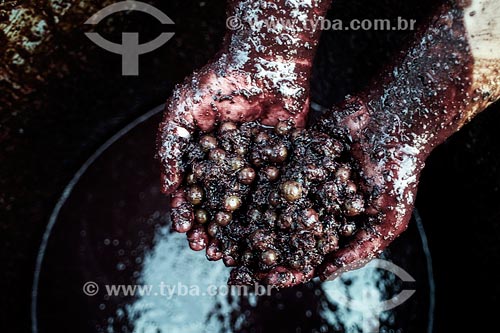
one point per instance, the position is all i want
(259, 74)
(387, 132)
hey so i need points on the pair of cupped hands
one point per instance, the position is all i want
(392, 126)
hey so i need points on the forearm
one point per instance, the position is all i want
(276, 42)
(447, 75)
(284, 30)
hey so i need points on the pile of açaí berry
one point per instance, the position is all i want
(272, 197)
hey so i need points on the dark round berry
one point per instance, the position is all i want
(195, 194)
(272, 173)
(267, 151)
(279, 154)
(283, 127)
(291, 190)
(201, 216)
(223, 218)
(217, 155)
(232, 203)
(274, 198)
(246, 176)
(315, 173)
(236, 163)
(310, 218)
(354, 206)
(348, 229)
(213, 229)
(208, 142)
(269, 257)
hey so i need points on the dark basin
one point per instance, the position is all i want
(111, 227)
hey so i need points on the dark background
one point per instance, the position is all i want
(69, 97)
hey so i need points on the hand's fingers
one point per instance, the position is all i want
(197, 238)
(282, 277)
(181, 212)
(275, 114)
(366, 245)
(214, 251)
(172, 142)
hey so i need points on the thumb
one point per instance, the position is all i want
(173, 139)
